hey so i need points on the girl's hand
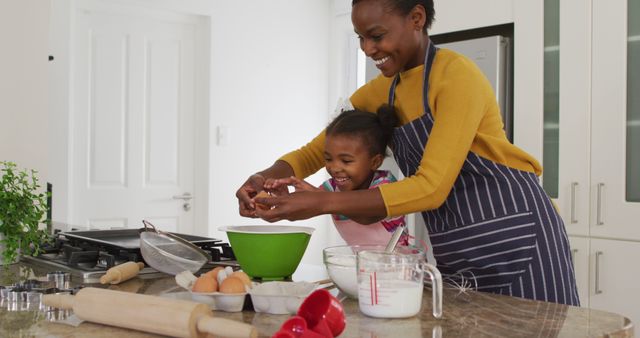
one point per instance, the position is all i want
(247, 192)
(298, 184)
(292, 207)
(275, 189)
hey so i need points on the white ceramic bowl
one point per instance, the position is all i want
(341, 267)
(341, 264)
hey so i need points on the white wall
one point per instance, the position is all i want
(59, 110)
(23, 84)
(269, 87)
(449, 17)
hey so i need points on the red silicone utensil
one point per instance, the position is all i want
(296, 327)
(323, 313)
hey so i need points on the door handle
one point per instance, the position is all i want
(598, 254)
(185, 197)
(599, 220)
(573, 255)
(574, 185)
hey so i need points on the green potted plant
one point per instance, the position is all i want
(22, 210)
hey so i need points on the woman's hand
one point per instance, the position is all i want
(255, 184)
(247, 192)
(298, 205)
(295, 206)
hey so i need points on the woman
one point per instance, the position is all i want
(485, 210)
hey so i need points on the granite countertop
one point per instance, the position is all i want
(467, 314)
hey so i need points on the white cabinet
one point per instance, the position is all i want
(615, 118)
(606, 275)
(598, 190)
(574, 106)
(614, 281)
(592, 141)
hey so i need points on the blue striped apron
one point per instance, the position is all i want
(497, 224)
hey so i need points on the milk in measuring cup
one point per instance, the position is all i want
(389, 298)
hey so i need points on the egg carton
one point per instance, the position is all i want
(280, 297)
(228, 302)
(219, 301)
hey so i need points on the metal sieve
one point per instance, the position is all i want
(169, 253)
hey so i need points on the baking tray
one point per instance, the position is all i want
(127, 238)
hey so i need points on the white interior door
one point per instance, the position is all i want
(133, 122)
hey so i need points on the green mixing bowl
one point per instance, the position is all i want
(268, 252)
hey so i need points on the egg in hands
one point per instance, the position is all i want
(262, 194)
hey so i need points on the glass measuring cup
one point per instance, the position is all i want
(390, 284)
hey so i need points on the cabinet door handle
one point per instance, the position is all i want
(573, 255)
(599, 220)
(574, 185)
(598, 254)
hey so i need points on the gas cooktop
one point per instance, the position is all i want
(87, 255)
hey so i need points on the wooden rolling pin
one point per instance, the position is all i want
(166, 316)
(121, 273)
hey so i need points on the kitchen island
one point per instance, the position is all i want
(465, 314)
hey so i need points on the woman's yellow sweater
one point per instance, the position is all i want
(467, 118)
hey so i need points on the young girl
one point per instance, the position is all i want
(354, 148)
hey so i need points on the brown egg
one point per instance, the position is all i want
(214, 273)
(232, 285)
(205, 284)
(241, 275)
(262, 194)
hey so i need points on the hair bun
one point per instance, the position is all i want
(387, 117)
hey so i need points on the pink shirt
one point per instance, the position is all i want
(377, 233)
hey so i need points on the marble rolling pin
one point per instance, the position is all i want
(166, 316)
(121, 273)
